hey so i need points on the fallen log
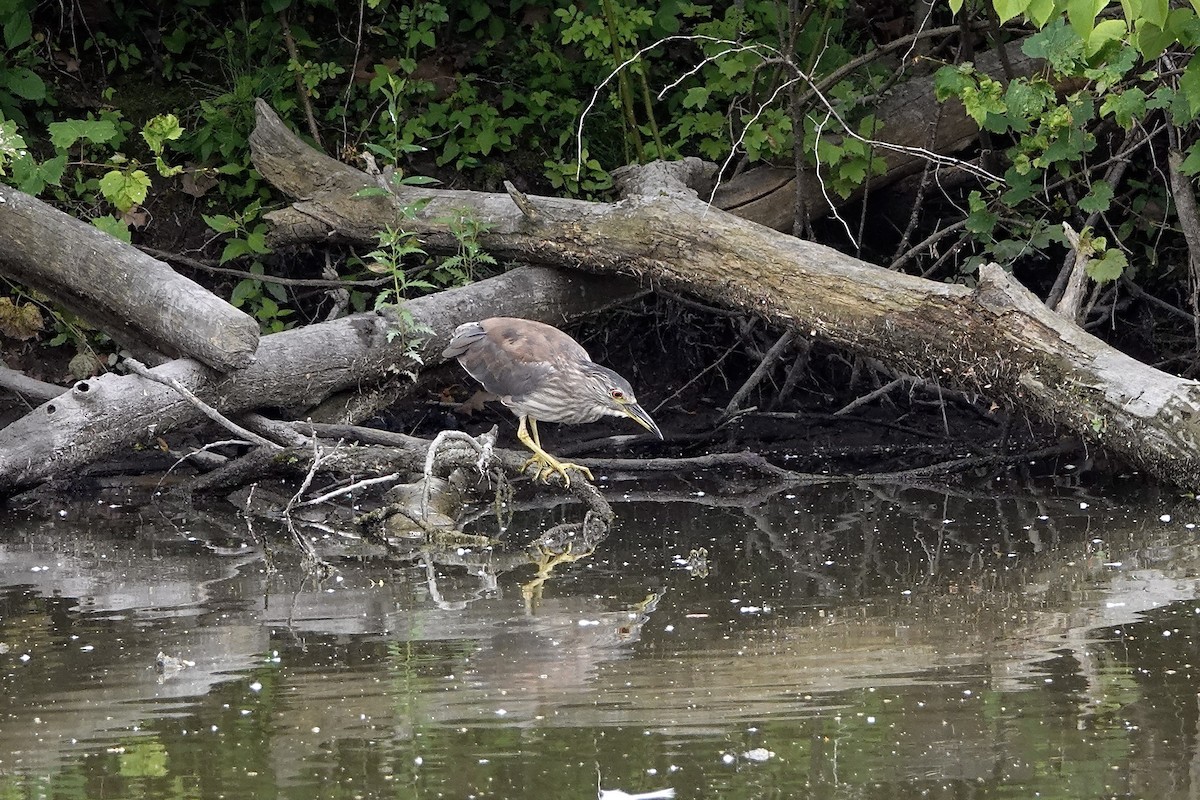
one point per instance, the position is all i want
(910, 117)
(996, 339)
(139, 301)
(293, 370)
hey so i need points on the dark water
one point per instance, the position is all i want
(836, 641)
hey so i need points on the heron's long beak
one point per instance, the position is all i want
(639, 415)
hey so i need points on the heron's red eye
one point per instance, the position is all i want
(617, 394)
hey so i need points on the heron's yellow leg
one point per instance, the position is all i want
(546, 463)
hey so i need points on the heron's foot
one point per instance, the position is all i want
(547, 466)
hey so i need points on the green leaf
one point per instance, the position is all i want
(176, 41)
(163, 128)
(370, 191)
(220, 223)
(955, 6)
(244, 291)
(24, 83)
(486, 139)
(1082, 15)
(165, 169)
(980, 221)
(18, 29)
(1007, 9)
(1108, 30)
(419, 180)
(234, 248)
(65, 134)
(1189, 84)
(52, 169)
(1184, 25)
(988, 98)
(950, 81)
(1155, 12)
(1058, 43)
(113, 227)
(1191, 164)
(696, 97)
(1153, 40)
(1108, 267)
(1039, 11)
(257, 241)
(125, 189)
(1098, 199)
(1126, 107)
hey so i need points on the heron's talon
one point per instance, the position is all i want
(546, 468)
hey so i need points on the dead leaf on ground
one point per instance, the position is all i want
(198, 181)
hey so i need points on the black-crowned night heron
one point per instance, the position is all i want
(543, 374)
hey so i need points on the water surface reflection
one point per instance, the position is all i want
(834, 641)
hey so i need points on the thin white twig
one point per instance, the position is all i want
(596, 93)
(916, 36)
(821, 182)
(742, 136)
(701, 65)
(921, 152)
(312, 501)
(140, 369)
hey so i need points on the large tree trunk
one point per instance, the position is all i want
(141, 302)
(997, 339)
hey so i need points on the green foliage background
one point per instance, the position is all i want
(132, 113)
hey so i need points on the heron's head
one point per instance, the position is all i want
(611, 395)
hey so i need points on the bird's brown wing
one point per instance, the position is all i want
(511, 357)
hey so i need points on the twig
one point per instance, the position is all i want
(698, 375)
(1142, 294)
(816, 90)
(960, 464)
(1189, 220)
(310, 552)
(928, 241)
(922, 188)
(359, 433)
(521, 200)
(1068, 306)
(193, 263)
(301, 89)
(795, 373)
(760, 372)
(312, 501)
(21, 384)
(280, 432)
(138, 368)
(867, 398)
(742, 459)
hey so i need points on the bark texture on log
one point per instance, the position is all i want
(997, 339)
(293, 370)
(138, 300)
